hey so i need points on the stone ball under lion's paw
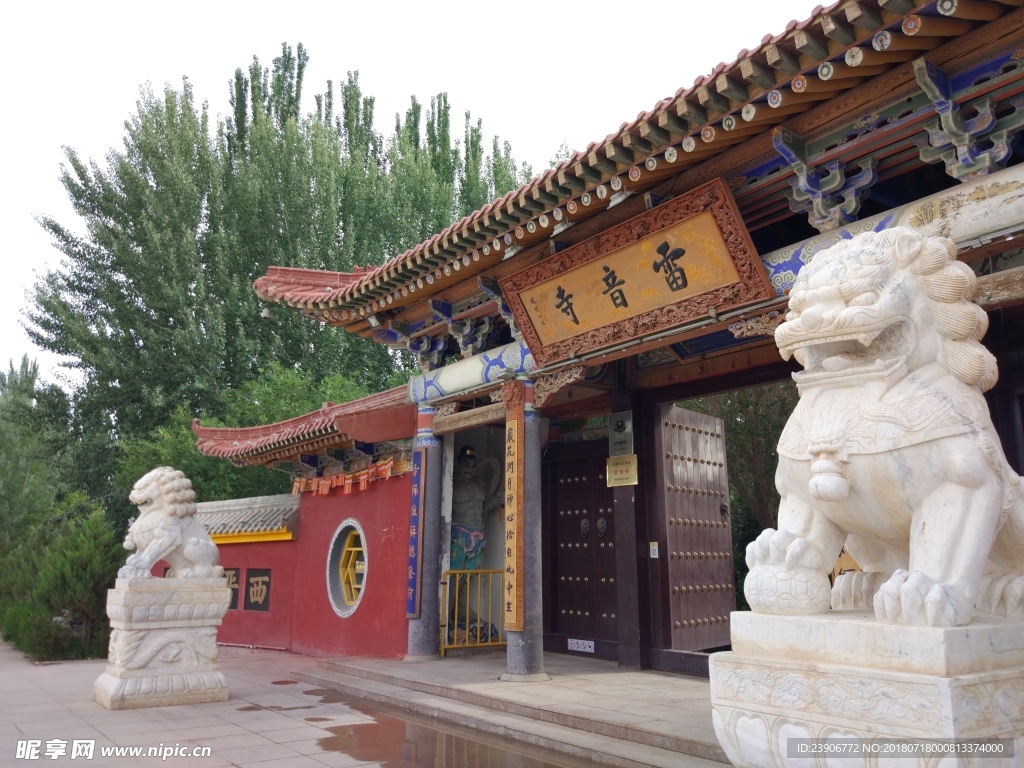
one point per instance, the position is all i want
(774, 588)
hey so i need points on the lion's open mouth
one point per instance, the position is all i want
(868, 352)
(140, 501)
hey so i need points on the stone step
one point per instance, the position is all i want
(600, 740)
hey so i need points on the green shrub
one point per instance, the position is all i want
(76, 574)
(54, 582)
(31, 629)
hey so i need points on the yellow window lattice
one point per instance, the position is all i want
(352, 567)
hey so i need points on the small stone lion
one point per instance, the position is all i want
(166, 529)
(891, 450)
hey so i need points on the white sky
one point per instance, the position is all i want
(537, 74)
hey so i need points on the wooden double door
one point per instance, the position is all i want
(583, 523)
(694, 481)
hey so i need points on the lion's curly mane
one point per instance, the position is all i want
(948, 284)
(176, 489)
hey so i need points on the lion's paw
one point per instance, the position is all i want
(855, 590)
(911, 597)
(130, 572)
(1001, 594)
(783, 548)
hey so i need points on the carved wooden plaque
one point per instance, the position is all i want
(412, 589)
(514, 496)
(661, 269)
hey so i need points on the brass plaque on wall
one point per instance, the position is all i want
(661, 269)
(621, 470)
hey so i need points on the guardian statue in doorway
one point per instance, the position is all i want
(471, 502)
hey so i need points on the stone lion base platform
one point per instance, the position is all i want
(842, 675)
(163, 647)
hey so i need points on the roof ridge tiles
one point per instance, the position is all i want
(319, 276)
(398, 263)
(322, 419)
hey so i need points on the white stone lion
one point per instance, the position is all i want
(166, 529)
(891, 450)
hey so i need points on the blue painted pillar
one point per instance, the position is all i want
(424, 631)
(525, 654)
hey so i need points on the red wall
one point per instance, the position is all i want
(263, 629)
(378, 626)
(301, 617)
(267, 629)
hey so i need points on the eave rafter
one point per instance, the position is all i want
(842, 47)
(310, 433)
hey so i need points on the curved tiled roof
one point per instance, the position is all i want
(260, 514)
(309, 432)
(735, 100)
(295, 286)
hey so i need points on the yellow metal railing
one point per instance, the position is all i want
(470, 613)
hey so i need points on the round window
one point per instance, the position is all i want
(346, 568)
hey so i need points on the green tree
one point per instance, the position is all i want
(473, 187)
(302, 192)
(444, 157)
(135, 300)
(153, 301)
(277, 394)
(420, 196)
(27, 486)
(563, 153)
(503, 175)
(53, 581)
(75, 575)
(26, 623)
(485, 178)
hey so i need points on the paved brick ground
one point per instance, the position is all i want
(273, 720)
(262, 724)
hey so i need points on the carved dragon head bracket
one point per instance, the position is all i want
(826, 194)
(955, 140)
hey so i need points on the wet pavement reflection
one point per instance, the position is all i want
(395, 741)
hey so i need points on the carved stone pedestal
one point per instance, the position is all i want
(843, 675)
(163, 648)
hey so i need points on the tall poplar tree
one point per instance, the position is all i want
(26, 487)
(153, 301)
(134, 303)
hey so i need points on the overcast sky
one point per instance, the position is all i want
(538, 74)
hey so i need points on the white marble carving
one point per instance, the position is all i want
(166, 529)
(892, 453)
(891, 450)
(844, 675)
(163, 644)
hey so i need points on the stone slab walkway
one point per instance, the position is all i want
(261, 724)
(588, 710)
(641, 717)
